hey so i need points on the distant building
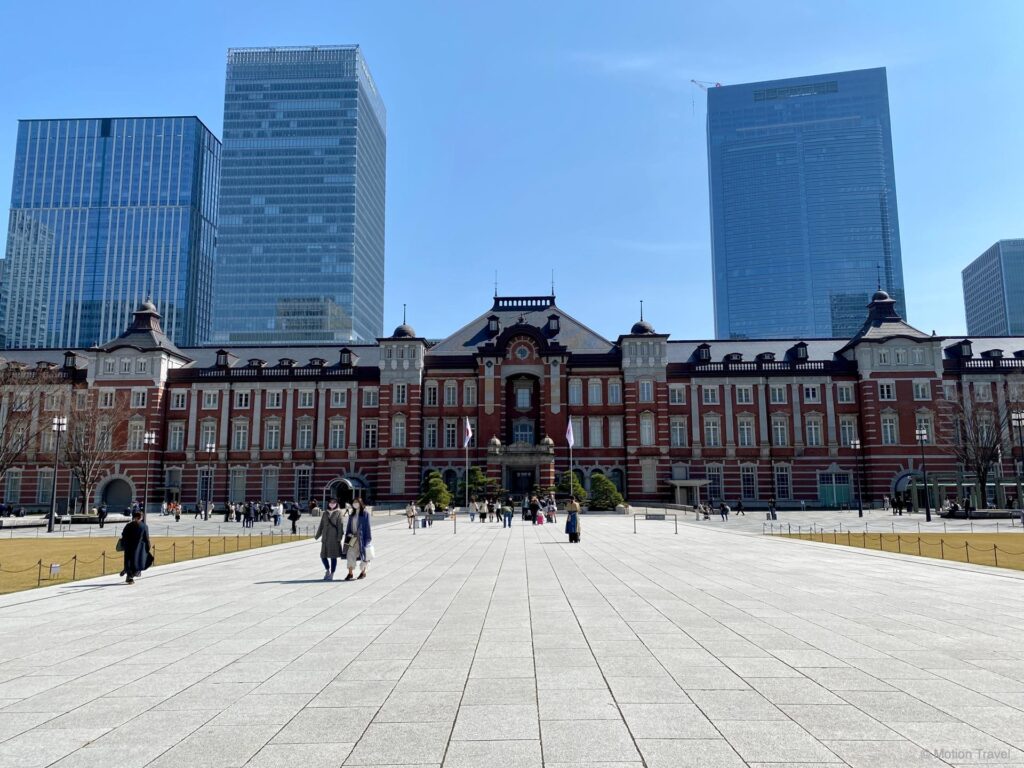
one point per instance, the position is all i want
(300, 249)
(994, 291)
(106, 212)
(803, 199)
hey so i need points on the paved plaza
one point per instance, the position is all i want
(714, 647)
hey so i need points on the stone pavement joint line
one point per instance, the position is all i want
(495, 648)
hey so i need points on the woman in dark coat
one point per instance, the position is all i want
(330, 528)
(135, 542)
(358, 540)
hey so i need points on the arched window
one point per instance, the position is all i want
(575, 392)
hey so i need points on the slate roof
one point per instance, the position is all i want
(534, 310)
(685, 350)
(144, 334)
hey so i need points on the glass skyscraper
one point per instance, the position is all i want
(300, 248)
(994, 291)
(107, 212)
(802, 189)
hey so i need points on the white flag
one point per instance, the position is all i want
(569, 436)
(467, 435)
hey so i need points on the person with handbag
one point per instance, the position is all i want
(572, 520)
(358, 545)
(134, 542)
(330, 531)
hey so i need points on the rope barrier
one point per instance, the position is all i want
(818, 535)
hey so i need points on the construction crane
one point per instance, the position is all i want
(703, 85)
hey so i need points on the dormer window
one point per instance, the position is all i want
(222, 358)
(69, 359)
(553, 323)
(800, 351)
(255, 362)
(965, 348)
(704, 353)
(318, 362)
(766, 357)
(493, 324)
(286, 362)
(346, 357)
(992, 354)
(734, 357)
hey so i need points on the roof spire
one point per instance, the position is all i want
(552, 282)
(403, 314)
(641, 310)
(878, 275)
(495, 283)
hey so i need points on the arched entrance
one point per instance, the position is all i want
(345, 490)
(117, 494)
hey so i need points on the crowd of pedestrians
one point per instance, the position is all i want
(537, 510)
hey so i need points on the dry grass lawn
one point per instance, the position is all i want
(1005, 550)
(25, 563)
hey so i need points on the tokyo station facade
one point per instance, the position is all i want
(668, 421)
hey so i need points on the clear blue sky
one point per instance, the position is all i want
(528, 136)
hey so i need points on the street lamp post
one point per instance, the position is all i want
(60, 425)
(855, 445)
(148, 440)
(210, 448)
(922, 435)
(1018, 423)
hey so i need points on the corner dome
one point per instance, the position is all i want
(147, 306)
(642, 328)
(881, 295)
(494, 442)
(547, 441)
(404, 331)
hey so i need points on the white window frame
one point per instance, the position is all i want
(887, 391)
(647, 429)
(339, 398)
(922, 389)
(451, 394)
(176, 436)
(575, 395)
(179, 400)
(430, 394)
(240, 435)
(595, 435)
(744, 394)
(107, 398)
(812, 393)
(677, 432)
(140, 398)
(337, 432)
(645, 391)
(813, 435)
(712, 431)
(677, 394)
(615, 432)
(844, 394)
(615, 392)
(274, 399)
(469, 394)
(304, 435)
(890, 429)
(709, 394)
(746, 434)
(778, 394)
(307, 398)
(243, 398)
(399, 434)
(211, 398)
(371, 397)
(595, 392)
(272, 435)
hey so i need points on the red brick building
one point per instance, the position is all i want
(664, 419)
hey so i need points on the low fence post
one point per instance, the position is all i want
(174, 552)
(967, 551)
(74, 566)
(995, 554)
(39, 578)
(104, 556)
(942, 549)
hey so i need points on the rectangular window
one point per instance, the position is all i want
(236, 489)
(890, 431)
(646, 391)
(306, 398)
(337, 435)
(783, 481)
(270, 482)
(272, 436)
(451, 394)
(615, 392)
(596, 436)
(780, 432)
(883, 357)
(398, 432)
(430, 434)
(523, 395)
(451, 434)
(370, 399)
(241, 400)
(110, 366)
(12, 488)
(615, 432)
(886, 390)
(594, 392)
(844, 393)
(339, 397)
(126, 365)
(401, 394)
(431, 393)
(135, 432)
(923, 422)
(745, 432)
(207, 436)
(104, 436)
(714, 477)
(577, 430)
(847, 430)
(813, 427)
(812, 393)
(204, 488)
(44, 486)
(646, 429)
(51, 402)
(240, 436)
(777, 394)
(748, 481)
(370, 433)
(575, 392)
(712, 432)
(273, 400)
(178, 401)
(139, 398)
(303, 484)
(304, 436)
(107, 398)
(176, 436)
(949, 391)
(709, 395)
(677, 432)
(917, 356)
(744, 395)
(142, 365)
(677, 394)
(469, 394)
(901, 356)
(983, 392)
(922, 390)
(210, 399)
(47, 441)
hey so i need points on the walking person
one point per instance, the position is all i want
(102, 514)
(535, 510)
(473, 507)
(293, 515)
(330, 531)
(739, 508)
(358, 541)
(135, 544)
(572, 520)
(507, 513)
(428, 511)
(410, 514)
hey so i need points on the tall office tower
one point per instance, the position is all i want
(803, 205)
(106, 212)
(300, 249)
(994, 291)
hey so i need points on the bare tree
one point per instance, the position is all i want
(97, 434)
(973, 435)
(27, 396)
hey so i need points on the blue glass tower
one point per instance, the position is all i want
(803, 205)
(300, 249)
(994, 291)
(105, 213)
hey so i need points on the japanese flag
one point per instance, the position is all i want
(467, 434)
(569, 436)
